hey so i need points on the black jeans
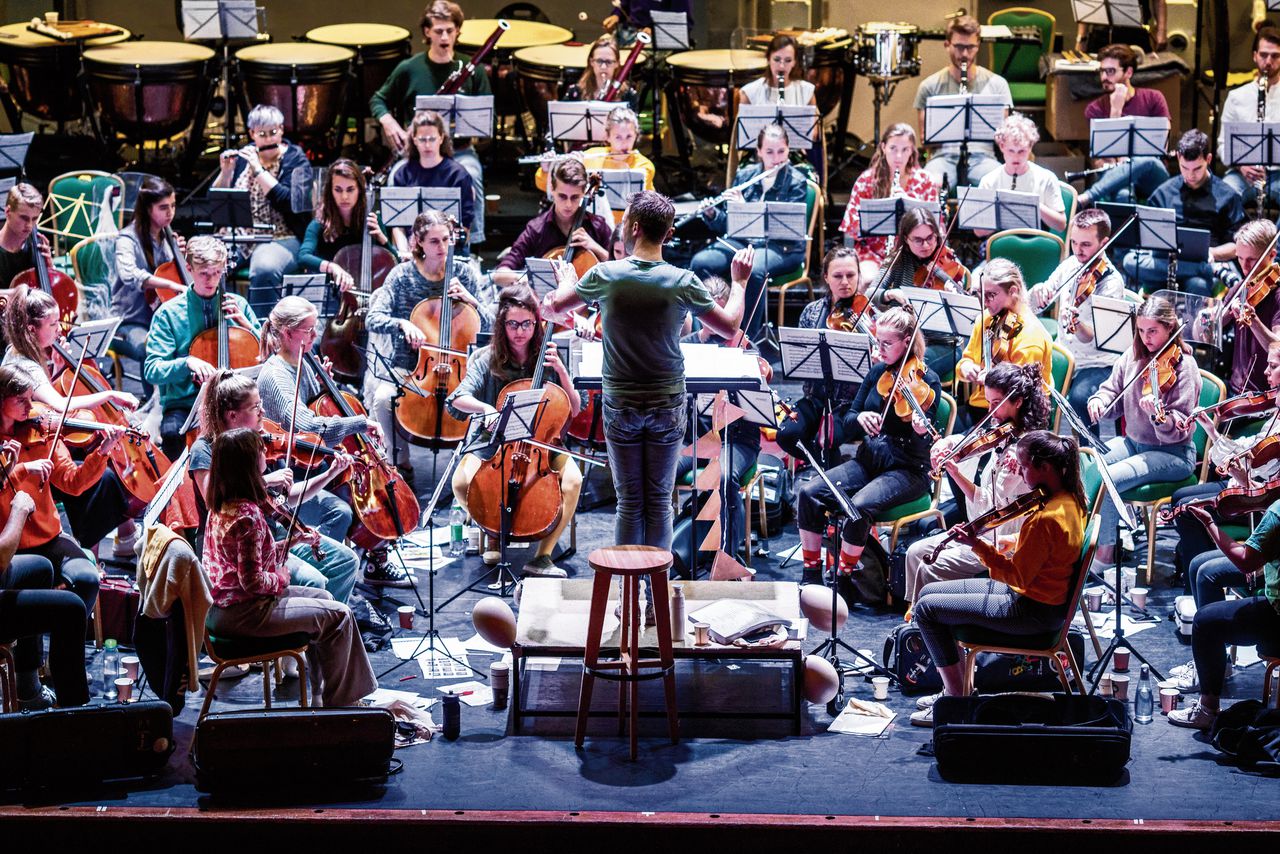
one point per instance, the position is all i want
(870, 491)
(1220, 624)
(172, 439)
(28, 609)
(1193, 539)
(805, 425)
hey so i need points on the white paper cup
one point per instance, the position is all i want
(1093, 599)
(124, 689)
(491, 204)
(880, 687)
(1120, 686)
(1139, 597)
(1169, 699)
(701, 634)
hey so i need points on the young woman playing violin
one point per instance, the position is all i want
(891, 465)
(252, 593)
(231, 402)
(1019, 406)
(844, 301)
(1028, 586)
(341, 221)
(1089, 230)
(517, 341)
(1155, 396)
(894, 171)
(44, 463)
(1009, 332)
(1257, 310)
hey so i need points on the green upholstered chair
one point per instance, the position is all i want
(1020, 63)
(1037, 253)
(802, 276)
(1064, 368)
(76, 204)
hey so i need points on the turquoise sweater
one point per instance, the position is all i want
(175, 324)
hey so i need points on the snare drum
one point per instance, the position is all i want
(148, 90)
(42, 72)
(499, 66)
(306, 81)
(543, 72)
(378, 49)
(888, 51)
(705, 83)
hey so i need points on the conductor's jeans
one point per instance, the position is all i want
(644, 442)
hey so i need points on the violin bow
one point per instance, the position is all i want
(1172, 338)
(881, 278)
(66, 408)
(1085, 266)
(288, 453)
(942, 246)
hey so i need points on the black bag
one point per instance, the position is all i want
(292, 748)
(1066, 738)
(778, 493)
(909, 534)
(89, 745)
(1249, 733)
(906, 656)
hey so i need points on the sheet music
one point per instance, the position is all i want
(799, 120)
(1113, 321)
(701, 362)
(850, 354)
(945, 118)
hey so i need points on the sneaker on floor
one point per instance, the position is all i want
(650, 618)
(1186, 681)
(1195, 716)
(924, 717)
(386, 575)
(1183, 669)
(125, 548)
(542, 567)
(44, 700)
(927, 701)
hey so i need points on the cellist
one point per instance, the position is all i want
(22, 215)
(517, 340)
(169, 365)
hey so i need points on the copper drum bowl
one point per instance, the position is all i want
(42, 72)
(378, 49)
(306, 82)
(499, 65)
(164, 79)
(543, 72)
(705, 82)
(825, 67)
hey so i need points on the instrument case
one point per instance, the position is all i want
(292, 748)
(89, 745)
(1031, 738)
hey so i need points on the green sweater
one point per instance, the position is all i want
(174, 326)
(419, 76)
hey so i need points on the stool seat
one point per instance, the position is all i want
(246, 646)
(630, 561)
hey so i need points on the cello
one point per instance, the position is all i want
(580, 261)
(343, 331)
(450, 327)
(175, 271)
(516, 491)
(55, 283)
(385, 506)
(227, 345)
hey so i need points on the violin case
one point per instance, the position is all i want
(1031, 738)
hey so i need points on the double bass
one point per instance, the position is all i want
(516, 491)
(55, 283)
(344, 330)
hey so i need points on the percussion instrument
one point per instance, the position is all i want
(543, 72)
(148, 90)
(502, 75)
(705, 84)
(888, 51)
(826, 56)
(42, 71)
(306, 81)
(378, 49)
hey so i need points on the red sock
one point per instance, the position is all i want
(849, 560)
(812, 559)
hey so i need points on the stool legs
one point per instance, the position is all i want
(591, 656)
(662, 611)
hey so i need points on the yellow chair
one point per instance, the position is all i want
(926, 506)
(230, 652)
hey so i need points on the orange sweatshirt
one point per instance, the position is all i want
(71, 477)
(1047, 551)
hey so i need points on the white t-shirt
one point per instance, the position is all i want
(759, 91)
(1036, 179)
(1085, 355)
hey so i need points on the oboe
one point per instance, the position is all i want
(964, 78)
(1262, 117)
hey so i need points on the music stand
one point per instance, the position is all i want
(881, 217)
(1132, 136)
(230, 208)
(1108, 13)
(220, 22)
(13, 152)
(470, 115)
(800, 121)
(620, 185)
(97, 333)
(670, 30)
(312, 287)
(962, 119)
(989, 209)
(1254, 144)
(1113, 324)
(752, 222)
(543, 275)
(6, 184)
(578, 121)
(825, 356)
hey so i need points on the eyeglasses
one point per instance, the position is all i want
(604, 62)
(426, 140)
(921, 241)
(519, 325)
(1111, 72)
(267, 133)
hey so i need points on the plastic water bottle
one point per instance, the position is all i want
(679, 622)
(457, 536)
(110, 667)
(1143, 701)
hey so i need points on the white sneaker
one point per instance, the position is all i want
(1194, 716)
(924, 717)
(1183, 669)
(1187, 680)
(927, 701)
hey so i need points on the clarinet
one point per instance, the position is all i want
(964, 78)
(896, 189)
(782, 89)
(1262, 116)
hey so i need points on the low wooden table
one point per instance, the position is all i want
(553, 623)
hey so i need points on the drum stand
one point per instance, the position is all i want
(882, 89)
(225, 80)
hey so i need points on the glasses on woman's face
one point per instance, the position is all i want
(267, 133)
(519, 325)
(604, 63)
(921, 241)
(426, 140)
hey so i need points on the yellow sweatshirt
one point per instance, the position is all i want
(1032, 344)
(1047, 551)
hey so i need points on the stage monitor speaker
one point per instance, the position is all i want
(790, 14)
(1181, 26)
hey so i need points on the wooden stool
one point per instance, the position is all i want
(631, 563)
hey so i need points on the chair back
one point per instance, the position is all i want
(1064, 368)
(1212, 391)
(944, 419)
(1037, 253)
(1021, 63)
(1069, 204)
(93, 263)
(1091, 479)
(75, 205)
(1079, 574)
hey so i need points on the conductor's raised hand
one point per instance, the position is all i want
(743, 263)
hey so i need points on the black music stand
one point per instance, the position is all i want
(578, 121)
(761, 222)
(219, 23)
(963, 119)
(470, 115)
(1254, 144)
(946, 314)
(990, 210)
(13, 153)
(1157, 230)
(800, 121)
(1130, 137)
(402, 384)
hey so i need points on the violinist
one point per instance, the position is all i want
(517, 341)
(341, 221)
(424, 74)
(894, 171)
(891, 465)
(430, 164)
(550, 229)
(1029, 585)
(840, 306)
(621, 130)
(391, 332)
(273, 170)
(1089, 230)
(604, 60)
(1009, 332)
(788, 184)
(140, 250)
(1254, 323)
(22, 215)
(43, 464)
(232, 402)
(1017, 136)
(1155, 396)
(252, 594)
(169, 364)
(1019, 406)
(926, 261)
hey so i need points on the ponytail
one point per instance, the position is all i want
(227, 392)
(1061, 452)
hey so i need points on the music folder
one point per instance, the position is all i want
(799, 120)
(880, 217)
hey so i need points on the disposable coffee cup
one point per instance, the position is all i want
(880, 687)
(1169, 699)
(130, 665)
(51, 18)
(1139, 597)
(124, 689)
(406, 616)
(1120, 686)
(473, 541)
(1122, 659)
(1104, 685)
(491, 204)
(1093, 598)
(500, 682)
(701, 634)
(1129, 579)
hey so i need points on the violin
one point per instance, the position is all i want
(55, 283)
(945, 272)
(1022, 506)
(516, 491)
(1243, 405)
(453, 325)
(307, 451)
(1086, 284)
(908, 393)
(1231, 502)
(384, 504)
(580, 261)
(1258, 289)
(227, 345)
(1159, 377)
(374, 263)
(175, 271)
(975, 444)
(850, 315)
(999, 332)
(277, 507)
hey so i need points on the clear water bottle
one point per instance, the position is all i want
(1143, 701)
(110, 667)
(457, 534)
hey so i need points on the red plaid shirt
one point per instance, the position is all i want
(241, 555)
(917, 185)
